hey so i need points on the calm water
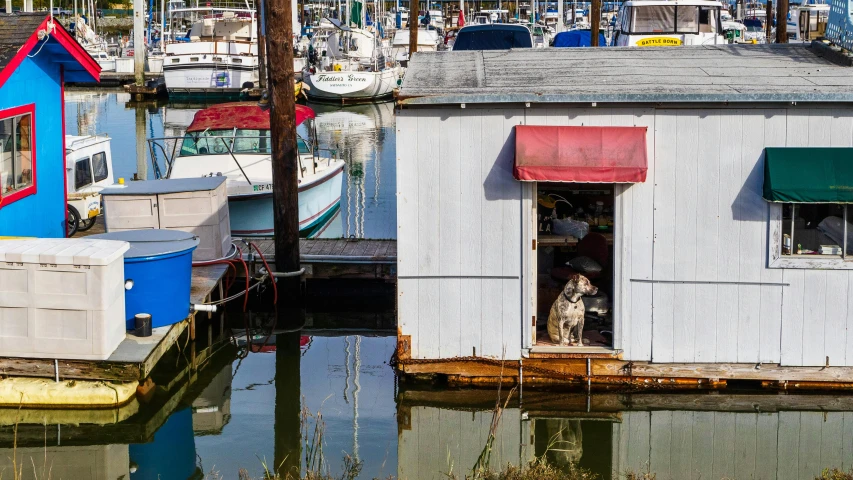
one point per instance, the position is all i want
(363, 134)
(243, 407)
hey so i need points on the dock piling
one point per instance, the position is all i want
(138, 41)
(279, 25)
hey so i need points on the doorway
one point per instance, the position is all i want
(574, 225)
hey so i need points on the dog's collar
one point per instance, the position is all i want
(570, 298)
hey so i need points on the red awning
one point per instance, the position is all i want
(580, 154)
(243, 115)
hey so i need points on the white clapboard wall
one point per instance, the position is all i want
(759, 446)
(699, 217)
(439, 442)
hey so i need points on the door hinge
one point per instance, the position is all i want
(534, 244)
(534, 320)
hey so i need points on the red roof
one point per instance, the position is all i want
(243, 115)
(580, 154)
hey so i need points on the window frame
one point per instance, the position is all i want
(106, 167)
(816, 262)
(29, 109)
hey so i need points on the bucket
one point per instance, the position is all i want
(158, 274)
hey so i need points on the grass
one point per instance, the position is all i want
(835, 474)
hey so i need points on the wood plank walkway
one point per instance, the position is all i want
(350, 259)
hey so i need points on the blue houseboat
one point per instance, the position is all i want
(37, 56)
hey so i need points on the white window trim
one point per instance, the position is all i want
(775, 259)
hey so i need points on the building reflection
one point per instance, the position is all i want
(684, 436)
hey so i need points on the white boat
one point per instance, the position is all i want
(233, 139)
(88, 170)
(360, 71)
(664, 23)
(220, 56)
(428, 41)
(808, 22)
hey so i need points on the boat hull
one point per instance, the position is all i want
(206, 79)
(252, 214)
(351, 86)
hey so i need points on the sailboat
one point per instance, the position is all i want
(352, 65)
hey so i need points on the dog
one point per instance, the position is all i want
(567, 312)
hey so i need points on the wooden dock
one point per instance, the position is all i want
(350, 259)
(135, 357)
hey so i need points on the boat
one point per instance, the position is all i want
(233, 140)
(351, 66)
(428, 41)
(219, 56)
(496, 36)
(89, 169)
(808, 22)
(665, 23)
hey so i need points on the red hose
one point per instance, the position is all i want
(269, 270)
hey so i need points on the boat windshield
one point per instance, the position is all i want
(211, 142)
(673, 19)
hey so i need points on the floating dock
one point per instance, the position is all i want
(42, 382)
(337, 259)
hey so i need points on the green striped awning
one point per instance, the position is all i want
(808, 175)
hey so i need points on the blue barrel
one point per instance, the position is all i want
(159, 263)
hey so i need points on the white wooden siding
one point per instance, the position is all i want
(698, 218)
(760, 446)
(441, 442)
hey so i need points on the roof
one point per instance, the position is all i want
(709, 74)
(19, 36)
(15, 30)
(242, 115)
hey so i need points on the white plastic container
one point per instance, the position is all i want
(61, 298)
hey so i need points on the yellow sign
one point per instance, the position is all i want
(659, 42)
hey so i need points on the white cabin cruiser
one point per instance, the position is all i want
(233, 139)
(664, 23)
(352, 67)
(428, 41)
(219, 57)
(88, 170)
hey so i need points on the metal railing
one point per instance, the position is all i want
(170, 148)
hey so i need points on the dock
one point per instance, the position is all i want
(337, 259)
(135, 358)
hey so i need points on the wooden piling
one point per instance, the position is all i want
(768, 24)
(139, 41)
(781, 21)
(262, 45)
(279, 26)
(594, 22)
(413, 32)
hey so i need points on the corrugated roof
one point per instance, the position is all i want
(15, 30)
(725, 73)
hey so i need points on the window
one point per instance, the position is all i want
(656, 19)
(708, 20)
(687, 19)
(208, 142)
(252, 141)
(810, 229)
(99, 166)
(82, 174)
(17, 162)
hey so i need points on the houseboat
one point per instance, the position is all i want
(233, 140)
(712, 221)
(42, 56)
(665, 23)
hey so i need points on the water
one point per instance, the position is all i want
(363, 134)
(243, 407)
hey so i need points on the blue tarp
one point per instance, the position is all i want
(577, 38)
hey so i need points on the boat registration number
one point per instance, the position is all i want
(264, 187)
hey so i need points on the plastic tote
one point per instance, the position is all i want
(158, 274)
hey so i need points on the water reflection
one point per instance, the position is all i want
(364, 136)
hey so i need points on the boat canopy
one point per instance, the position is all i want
(808, 174)
(580, 154)
(577, 38)
(240, 115)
